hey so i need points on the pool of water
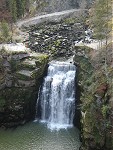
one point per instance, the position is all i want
(36, 136)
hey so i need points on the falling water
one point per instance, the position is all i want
(57, 96)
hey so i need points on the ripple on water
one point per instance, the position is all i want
(35, 136)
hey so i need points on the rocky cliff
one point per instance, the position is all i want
(58, 5)
(96, 98)
(21, 72)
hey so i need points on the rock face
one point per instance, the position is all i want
(21, 72)
(96, 99)
(58, 5)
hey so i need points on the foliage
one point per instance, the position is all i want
(105, 109)
(5, 34)
(17, 8)
(101, 18)
(20, 4)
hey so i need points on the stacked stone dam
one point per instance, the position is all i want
(56, 38)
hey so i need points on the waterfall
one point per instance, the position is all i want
(57, 96)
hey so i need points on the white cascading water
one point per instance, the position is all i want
(57, 95)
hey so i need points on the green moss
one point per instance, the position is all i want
(105, 109)
(25, 75)
(42, 61)
(57, 42)
(70, 20)
(85, 69)
(28, 64)
(43, 58)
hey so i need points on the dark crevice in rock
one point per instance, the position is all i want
(77, 116)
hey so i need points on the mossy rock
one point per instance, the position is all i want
(70, 20)
(28, 64)
(25, 75)
(84, 49)
(39, 56)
